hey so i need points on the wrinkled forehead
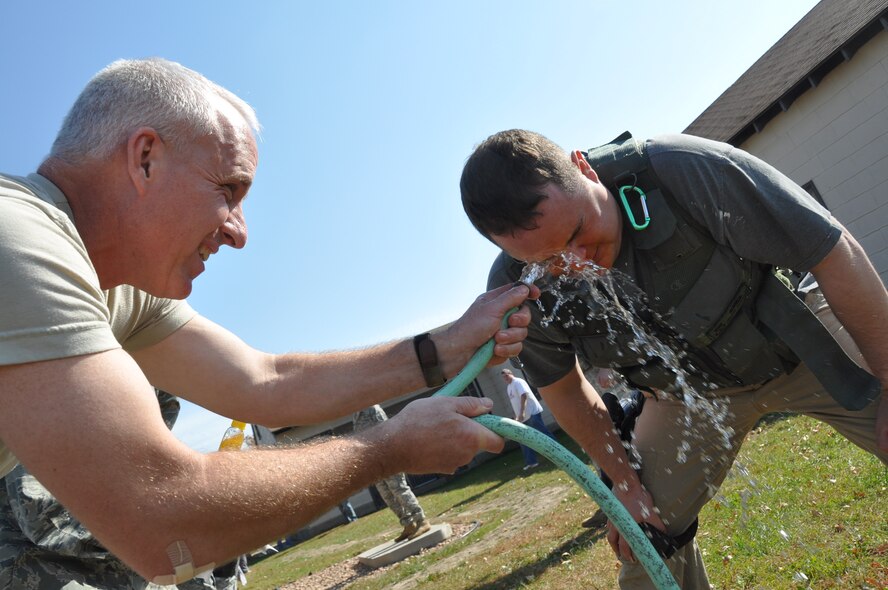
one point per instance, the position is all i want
(231, 125)
(236, 141)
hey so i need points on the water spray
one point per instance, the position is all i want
(587, 479)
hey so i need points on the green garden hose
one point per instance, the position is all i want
(570, 464)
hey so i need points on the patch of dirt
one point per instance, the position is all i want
(533, 504)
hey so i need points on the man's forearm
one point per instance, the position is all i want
(226, 503)
(858, 298)
(352, 380)
(246, 500)
(341, 382)
(206, 364)
(597, 438)
(580, 412)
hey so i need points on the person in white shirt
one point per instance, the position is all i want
(527, 411)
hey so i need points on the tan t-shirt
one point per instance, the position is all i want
(51, 304)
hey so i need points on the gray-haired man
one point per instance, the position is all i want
(144, 183)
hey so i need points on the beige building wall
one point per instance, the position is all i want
(836, 135)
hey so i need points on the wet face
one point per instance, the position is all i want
(198, 207)
(586, 224)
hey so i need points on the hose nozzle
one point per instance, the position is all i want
(531, 274)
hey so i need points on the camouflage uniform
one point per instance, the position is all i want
(394, 490)
(43, 547)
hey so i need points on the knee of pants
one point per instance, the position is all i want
(681, 471)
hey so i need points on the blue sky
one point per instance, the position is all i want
(369, 111)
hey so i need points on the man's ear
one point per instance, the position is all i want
(144, 152)
(580, 162)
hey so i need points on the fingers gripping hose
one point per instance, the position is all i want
(565, 460)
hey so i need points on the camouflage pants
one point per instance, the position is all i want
(394, 490)
(43, 547)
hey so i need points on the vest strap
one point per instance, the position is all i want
(782, 311)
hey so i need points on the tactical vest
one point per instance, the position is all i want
(734, 321)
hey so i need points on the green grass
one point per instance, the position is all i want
(817, 508)
(809, 513)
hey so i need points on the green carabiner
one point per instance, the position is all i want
(644, 207)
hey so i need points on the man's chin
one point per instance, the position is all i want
(182, 294)
(174, 290)
(182, 290)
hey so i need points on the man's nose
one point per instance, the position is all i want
(234, 230)
(577, 250)
(571, 259)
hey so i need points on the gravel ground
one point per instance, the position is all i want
(334, 577)
(342, 574)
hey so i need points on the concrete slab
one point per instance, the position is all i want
(391, 552)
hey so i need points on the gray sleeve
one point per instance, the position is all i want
(547, 354)
(747, 205)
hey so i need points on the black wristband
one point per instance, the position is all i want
(427, 355)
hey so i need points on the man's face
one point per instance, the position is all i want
(507, 377)
(586, 224)
(199, 207)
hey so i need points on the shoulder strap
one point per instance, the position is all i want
(617, 161)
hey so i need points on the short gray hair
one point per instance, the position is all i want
(177, 102)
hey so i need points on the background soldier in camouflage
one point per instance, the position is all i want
(394, 490)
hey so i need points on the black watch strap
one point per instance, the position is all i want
(427, 355)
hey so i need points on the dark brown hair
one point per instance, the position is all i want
(502, 181)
